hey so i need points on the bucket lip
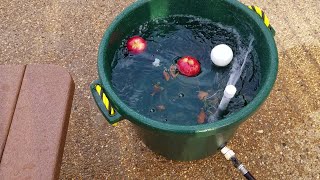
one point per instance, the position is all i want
(235, 118)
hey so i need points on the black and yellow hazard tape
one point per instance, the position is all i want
(105, 100)
(261, 14)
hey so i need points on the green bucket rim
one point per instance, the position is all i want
(204, 129)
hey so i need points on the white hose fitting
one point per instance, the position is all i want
(228, 153)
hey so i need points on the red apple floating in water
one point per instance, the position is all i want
(189, 66)
(136, 44)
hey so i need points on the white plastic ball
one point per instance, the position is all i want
(221, 55)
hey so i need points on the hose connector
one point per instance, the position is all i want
(228, 153)
(231, 156)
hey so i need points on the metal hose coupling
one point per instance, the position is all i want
(231, 156)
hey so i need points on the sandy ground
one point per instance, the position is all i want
(281, 141)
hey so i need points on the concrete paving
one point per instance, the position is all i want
(280, 141)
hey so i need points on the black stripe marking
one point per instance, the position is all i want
(101, 93)
(109, 107)
(253, 8)
(263, 16)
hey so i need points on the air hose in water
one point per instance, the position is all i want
(230, 155)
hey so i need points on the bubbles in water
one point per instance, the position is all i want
(235, 74)
(240, 63)
(140, 29)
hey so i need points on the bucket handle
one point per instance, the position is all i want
(264, 17)
(104, 103)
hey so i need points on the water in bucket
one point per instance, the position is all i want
(147, 88)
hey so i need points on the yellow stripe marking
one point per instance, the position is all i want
(98, 88)
(258, 10)
(266, 20)
(105, 101)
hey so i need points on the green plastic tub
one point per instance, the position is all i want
(175, 141)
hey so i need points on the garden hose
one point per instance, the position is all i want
(230, 155)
